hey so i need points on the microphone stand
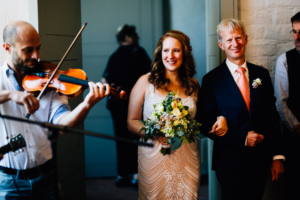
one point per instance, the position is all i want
(53, 137)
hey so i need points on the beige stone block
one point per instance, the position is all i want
(284, 47)
(252, 4)
(255, 32)
(259, 49)
(294, 11)
(261, 61)
(265, 62)
(280, 32)
(282, 16)
(272, 62)
(256, 17)
(282, 3)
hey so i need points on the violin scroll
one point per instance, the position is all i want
(121, 94)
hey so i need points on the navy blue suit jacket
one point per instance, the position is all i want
(220, 95)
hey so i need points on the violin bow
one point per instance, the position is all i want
(58, 65)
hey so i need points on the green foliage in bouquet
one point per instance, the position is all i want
(171, 119)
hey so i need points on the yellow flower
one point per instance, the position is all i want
(185, 112)
(174, 104)
(179, 105)
(176, 122)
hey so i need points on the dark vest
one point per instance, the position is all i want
(293, 102)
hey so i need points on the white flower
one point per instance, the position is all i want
(160, 108)
(176, 112)
(256, 83)
(152, 117)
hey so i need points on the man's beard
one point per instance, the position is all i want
(297, 46)
(19, 63)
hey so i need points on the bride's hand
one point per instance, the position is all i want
(162, 140)
(220, 127)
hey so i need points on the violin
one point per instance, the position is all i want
(70, 83)
(35, 82)
(32, 83)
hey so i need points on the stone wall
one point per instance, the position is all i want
(11, 10)
(268, 28)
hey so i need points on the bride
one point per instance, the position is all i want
(174, 176)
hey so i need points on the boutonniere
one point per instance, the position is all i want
(256, 83)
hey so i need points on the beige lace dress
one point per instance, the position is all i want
(174, 176)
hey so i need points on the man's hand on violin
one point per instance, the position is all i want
(27, 99)
(76, 116)
(97, 92)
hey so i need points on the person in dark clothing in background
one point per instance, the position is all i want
(124, 67)
(286, 86)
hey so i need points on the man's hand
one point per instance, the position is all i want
(220, 126)
(27, 99)
(97, 92)
(277, 169)
(253, 139)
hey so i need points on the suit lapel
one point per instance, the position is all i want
(231, 84)
(252, 76)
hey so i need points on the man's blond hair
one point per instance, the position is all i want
(229, 25)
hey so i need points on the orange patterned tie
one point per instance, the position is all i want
(243, 86)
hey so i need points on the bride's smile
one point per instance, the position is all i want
(172, 55)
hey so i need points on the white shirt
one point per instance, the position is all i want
(281, 87)
(233, 67)
(38, 150)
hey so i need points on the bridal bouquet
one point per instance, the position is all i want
(171, 119)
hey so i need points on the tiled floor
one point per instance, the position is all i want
(105, 189)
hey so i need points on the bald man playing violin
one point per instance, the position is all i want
(28, 172)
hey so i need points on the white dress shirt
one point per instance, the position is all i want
(281, 87)
(38, 150)
(233, 67)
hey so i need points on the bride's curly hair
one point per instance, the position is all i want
(187, 69)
